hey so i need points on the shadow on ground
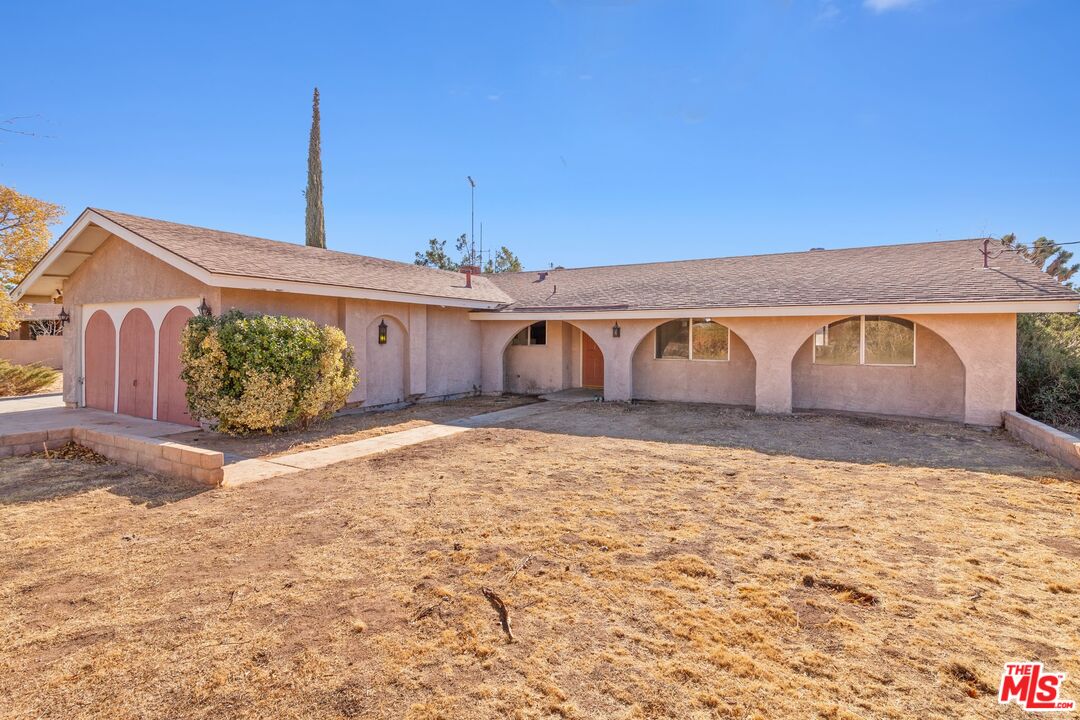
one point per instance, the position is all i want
(29, 480)
(815, 436)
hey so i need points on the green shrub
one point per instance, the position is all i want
(263, 373)
(1048, 368)
(24, 379)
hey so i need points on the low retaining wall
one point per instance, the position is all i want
(1058, 445)
(47, 350)
(155, 455)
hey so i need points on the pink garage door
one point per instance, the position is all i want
(136, 386)
(171, 400)
(100, 351)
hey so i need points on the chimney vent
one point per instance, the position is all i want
(469, 271)
(543, 276)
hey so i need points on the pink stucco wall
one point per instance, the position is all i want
(932, 388)
(47, 350)
(534, 369)
(729, 382)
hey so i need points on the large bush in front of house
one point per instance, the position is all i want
(1048, 368)
(260, 373)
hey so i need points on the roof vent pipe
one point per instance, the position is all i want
(469, 271)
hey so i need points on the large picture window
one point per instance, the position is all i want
(866, 340)
(535, 334)
(696, 339)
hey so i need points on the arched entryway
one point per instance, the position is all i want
(171, 393)
(879, 364)
(551, 355)
(694, 360)
(135, 388)
(387, 362)
(99, 373)
(592, 364)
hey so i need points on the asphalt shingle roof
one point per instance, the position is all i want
(947, 271)
(229, 253)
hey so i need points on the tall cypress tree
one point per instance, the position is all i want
(315, 225)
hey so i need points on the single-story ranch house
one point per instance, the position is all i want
(919, 330)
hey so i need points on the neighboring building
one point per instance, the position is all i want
(916, 330)
(38, 337)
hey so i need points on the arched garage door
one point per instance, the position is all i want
(136, 381)
(172, 399)
(99, 388)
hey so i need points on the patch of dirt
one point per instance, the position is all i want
(645, 573)
(349, 427)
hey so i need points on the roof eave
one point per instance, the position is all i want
(910, 308)
(250, 282)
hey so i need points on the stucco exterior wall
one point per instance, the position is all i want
(729, 382)
(323, 310)
(534, 369)
(453, 357)
(932, 388)
(47, 350)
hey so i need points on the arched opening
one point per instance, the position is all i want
(551, 355)
(135, 387)
(693, 360)
(172, 391)
(99, 371)
(386, 350)
(879, 364)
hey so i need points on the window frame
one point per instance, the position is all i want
(862, 345)
(528, 335)
(690, 341)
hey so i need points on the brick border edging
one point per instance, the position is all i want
(171, 459)
(1058, 445)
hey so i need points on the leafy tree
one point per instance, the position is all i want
(24, 238)
(504, 261)
(1045, 254)
(1048, 368)
(315, 226)
(435, 256)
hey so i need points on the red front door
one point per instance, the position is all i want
(135, 394)
(592, 364)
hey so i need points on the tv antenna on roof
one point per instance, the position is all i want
(472, 219)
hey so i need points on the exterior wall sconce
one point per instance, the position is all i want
(382, 332)
(616, 331)
(64, 317)
(204, 309)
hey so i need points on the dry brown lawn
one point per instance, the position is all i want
(695, 563)
(348, 427)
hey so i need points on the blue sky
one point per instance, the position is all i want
(598, 131)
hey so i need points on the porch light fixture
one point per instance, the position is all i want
(204, 309)
(64, 317)
(382, 332)
(616, 331)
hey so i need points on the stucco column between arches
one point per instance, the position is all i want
(986, 345)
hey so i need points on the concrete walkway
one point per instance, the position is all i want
(47, 412)
(245, 471)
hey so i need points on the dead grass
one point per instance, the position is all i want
(348, 427)
(642, 579)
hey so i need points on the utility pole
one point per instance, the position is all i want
(472, 219)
